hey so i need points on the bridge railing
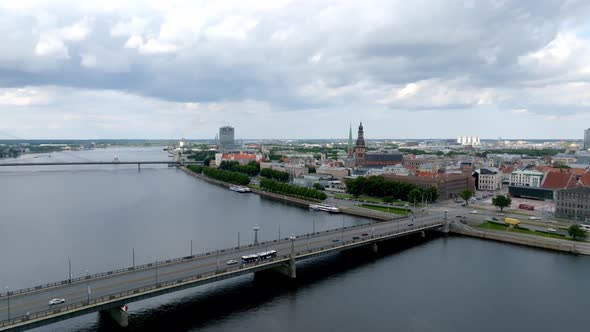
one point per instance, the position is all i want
(167, 262)
(135, 291)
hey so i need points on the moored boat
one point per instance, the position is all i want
(324, 207)
(240, 189)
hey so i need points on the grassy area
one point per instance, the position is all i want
(254, 186)
(518, 229)
(393, 210)
(369, 199)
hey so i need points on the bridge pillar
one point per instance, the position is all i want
(138, 167)
(119, 315)
(446, 227)
(422, 234)
(374, 248)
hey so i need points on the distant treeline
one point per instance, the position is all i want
(15, 151)
(289, 190)
(526, 152)
(275, 175)
(250, 169)
(221, 175)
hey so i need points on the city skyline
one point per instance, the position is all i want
(291, 70)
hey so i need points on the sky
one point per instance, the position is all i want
(294, 69)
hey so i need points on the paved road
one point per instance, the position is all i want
(37, 301)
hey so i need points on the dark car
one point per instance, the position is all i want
(335, 240)
(355, 237)
(410, 225)
(365, 234)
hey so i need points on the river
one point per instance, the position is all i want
(94, 217)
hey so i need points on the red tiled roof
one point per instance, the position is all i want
(241, 156)
(559, 180)
(585, 180)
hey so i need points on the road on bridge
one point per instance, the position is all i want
(77, 292)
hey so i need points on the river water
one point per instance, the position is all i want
(95, 216)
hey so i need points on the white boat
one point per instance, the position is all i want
(324, 207)
(240, 189)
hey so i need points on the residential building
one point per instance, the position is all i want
(294, 170)
(380, 159)
(488, 178)
(396, 170)
(448, 185)
(241, 157)
(583, 157)
(526, 178)
(563, 159)
(573, 203)
(336, 172)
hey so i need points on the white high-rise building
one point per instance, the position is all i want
(468, 140)
(587, 139)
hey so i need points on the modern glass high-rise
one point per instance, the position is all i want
(226, 137)
(587, 139)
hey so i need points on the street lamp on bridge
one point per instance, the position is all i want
(256, 228)
(8, 299)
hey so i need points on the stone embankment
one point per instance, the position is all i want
(573, 247)
(366, 213)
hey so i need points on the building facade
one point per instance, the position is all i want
(587, 139)
(573, 203)
(526, 178)
(226, 137)
(468, 140)
(336, 172)
(488, 178)
(448, 185)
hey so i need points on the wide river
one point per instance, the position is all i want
(94, 217)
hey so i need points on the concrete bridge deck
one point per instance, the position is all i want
(116, 288)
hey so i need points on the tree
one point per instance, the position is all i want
(415, 195)
(501, 201)
(318, 186)
(577, 232)
(466, 195)
(431, 194)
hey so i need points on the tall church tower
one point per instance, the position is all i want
(360, 149)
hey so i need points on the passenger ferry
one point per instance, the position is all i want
(240, 189)
(324, 207)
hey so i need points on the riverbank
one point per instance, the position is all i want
(294, 200)
(568, 246)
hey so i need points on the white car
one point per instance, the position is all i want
(473, 212)
(534, 218)
(551, 230)
(56, 301)
(231, 262)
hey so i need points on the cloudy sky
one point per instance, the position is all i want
(294, 69)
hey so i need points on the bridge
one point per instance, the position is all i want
(111, 291)
(76, 163)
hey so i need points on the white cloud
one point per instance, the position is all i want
(151, 46)
(77, 31)
(51, 46)
(88, 60)
(28, 96)
(134, 26)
